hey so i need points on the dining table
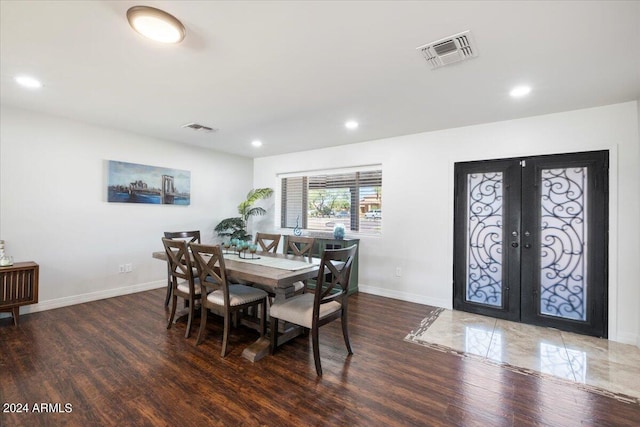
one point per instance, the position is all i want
(273, 272)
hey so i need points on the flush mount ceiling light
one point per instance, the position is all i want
(28, 82)
(156, 24)
(520, 91)
(351, 124)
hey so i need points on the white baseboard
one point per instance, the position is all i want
(627, 338)
(93, 296)
(404, 296)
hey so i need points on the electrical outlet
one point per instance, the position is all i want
(398, 272)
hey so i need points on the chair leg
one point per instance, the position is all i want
(173, 311)
(274, 334)
(236, 319)
(168, 297)
(263, 318)
(345, 331)
(203, 324)
(225, 335)
(316, 350)
(190, 319)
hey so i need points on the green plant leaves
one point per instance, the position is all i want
(236, 227)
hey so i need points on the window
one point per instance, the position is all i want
(320, 201)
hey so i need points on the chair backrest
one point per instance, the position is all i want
(179, 262)
(268, 242)
(188, 236)
(296, 245)
(209, 262)
(333, 276)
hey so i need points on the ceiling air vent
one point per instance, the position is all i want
(201, 128)
(451, 49)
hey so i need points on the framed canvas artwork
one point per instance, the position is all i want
(136, 183)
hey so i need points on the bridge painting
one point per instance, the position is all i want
(136, 183)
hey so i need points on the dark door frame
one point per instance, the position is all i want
(521, 254)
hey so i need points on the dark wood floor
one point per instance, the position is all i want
(115, 363)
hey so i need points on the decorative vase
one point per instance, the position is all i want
(5, 260)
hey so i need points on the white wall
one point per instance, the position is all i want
(53, 207)
(418, 199)
(638, 304)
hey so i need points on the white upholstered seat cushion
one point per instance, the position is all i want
(299, 309)
(184, 287)
(238, 295)
(298, 286)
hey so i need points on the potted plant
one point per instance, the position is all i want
(236, 227)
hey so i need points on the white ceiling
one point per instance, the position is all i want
(291, 73)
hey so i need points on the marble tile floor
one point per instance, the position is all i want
(596, 362)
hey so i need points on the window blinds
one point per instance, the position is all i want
(295, 193)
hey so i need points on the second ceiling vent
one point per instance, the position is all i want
(199, 127)
(449, 50)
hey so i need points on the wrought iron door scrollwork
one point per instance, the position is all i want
(563, 283)
(484, 237)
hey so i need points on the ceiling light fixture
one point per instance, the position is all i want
(256, 143)
(28, 82)
(351, 124)
(156, 24)
(520, 91)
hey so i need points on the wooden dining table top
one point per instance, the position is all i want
(254, 272)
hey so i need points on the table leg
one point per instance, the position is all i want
(285, 293)
(262, 346)
(257, 350)
(184, 312)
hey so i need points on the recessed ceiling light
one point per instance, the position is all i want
(520, 91)
(256, 143)
(351, 124)
(156, 24)
(28, 82)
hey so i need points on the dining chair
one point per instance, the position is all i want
(189, 237)
(299, 246)
(223, 298)
(183, 282)
(327, 303)
(268, 242)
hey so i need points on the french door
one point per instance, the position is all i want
(531, 240)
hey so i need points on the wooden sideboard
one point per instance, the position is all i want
(18, 287)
